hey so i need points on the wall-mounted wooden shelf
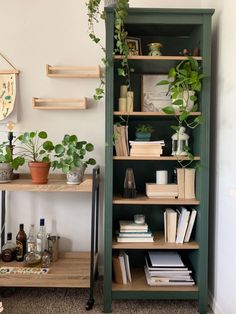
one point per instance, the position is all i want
(59, 103)
(13, 71)
(73, 71)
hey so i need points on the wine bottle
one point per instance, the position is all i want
(31, 240)
(9, 249)
(41, 237)
(21, 244)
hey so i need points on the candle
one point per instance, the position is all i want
(123, 91)
(122, 104)
(130, 101)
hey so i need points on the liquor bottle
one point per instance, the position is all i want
(32, 258)
(21, 244)
(41, 237)
(9, 249)
(31, 240)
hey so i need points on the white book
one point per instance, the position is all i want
(182, 225)
(126, 240)
(190, 225)
(127, 266)
(123, 270)
(165, 259)
(130, 224)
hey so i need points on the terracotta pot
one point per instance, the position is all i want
(39, 172)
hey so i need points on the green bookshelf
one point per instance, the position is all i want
(176, 29)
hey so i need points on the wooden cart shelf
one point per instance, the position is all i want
(139, 283)
(159, 243)
(59, 103)
(72, 270)
(142, 199)
(73, 71)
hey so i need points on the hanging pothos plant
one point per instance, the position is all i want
(94, 15)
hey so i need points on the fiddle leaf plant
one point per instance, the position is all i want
(71, 152)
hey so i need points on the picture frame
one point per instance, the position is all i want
(134, 45)
(154, 98)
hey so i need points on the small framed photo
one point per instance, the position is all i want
(134, 45)
(154, 98)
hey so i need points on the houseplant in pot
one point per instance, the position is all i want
(8, 162)
(184, 82)
(143, 132)
(70, 158)
(35, 148)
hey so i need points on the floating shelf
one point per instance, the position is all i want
(59, 103)
(73, 71)
(13, 71)
(118, 57)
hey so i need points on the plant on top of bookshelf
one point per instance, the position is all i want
(94, 14)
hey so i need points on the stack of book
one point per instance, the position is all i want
(133, 232)
(166, 268)
(121, 140)
(178, 224)
(154, 190)
(146, 148)
(121, 268)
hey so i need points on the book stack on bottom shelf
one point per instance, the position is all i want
(133, 232)
(166, 268)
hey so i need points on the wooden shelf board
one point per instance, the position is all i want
(139, 283)
(153, 158)
(144, 200)
(56, 183)
(59, 103)
(72, 270)
(12, 71)
(73, 71)
(147, 113)
(159, 243)
(119, 57)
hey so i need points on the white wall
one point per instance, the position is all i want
(33, 34)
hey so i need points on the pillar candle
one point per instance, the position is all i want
(161, 177)
(122, 104)
(130, 101)
(123, 91)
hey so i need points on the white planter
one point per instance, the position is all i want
(5, 172)
(75, 176)
(187, 102)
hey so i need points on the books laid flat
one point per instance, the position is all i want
(127, 225)
(163, 268)
(161, 190)
(165, 259)
(134, 234)
(128, 239)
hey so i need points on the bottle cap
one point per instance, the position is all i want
(42, 222)
(9, 236)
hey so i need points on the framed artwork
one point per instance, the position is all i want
(154, 97)
(134, 45)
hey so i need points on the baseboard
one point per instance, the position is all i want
(216, 309)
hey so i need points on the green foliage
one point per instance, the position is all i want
(144, 128)
(32, 146)
(6, 156)
(71, 152)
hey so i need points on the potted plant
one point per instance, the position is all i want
(184, 82)
(70, 154)
(8, 163)
(143, 132)
(35, 148)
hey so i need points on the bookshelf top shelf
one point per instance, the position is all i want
(177, 58)
(148, 113)
(170, 158)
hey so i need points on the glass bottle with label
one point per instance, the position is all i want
(41, 237)
(21, 244)
(9, 249)
(31, 240)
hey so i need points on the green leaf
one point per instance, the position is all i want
(65, 168)
(48, 145)
(91, 161)
(73, 138)
(42, 135)
(172, 72)
(89, 147)
(8, 97)
(168, 110)
(178, 102)
(163, 82)
(121, 72)
(59, 149)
